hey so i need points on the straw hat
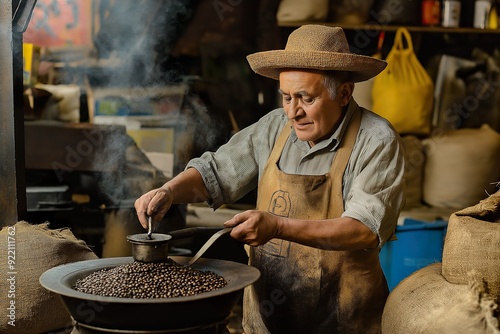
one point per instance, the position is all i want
(316, 47)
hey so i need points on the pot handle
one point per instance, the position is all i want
(193, 231)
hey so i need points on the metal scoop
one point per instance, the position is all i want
(209, 243)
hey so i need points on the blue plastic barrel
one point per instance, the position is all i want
(419, 244)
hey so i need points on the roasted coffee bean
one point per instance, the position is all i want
(150, 280)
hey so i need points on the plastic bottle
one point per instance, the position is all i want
(481, 13)
(493, 15)
(431, 12)
(451, 14)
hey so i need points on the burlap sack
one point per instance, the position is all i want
(460, 165)
(299, 10)
(475, 314)
(472, 243)
(33, 250)
(413, 303)
(420, 302)
(414, 170)
(350, 12)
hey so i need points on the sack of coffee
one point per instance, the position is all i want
(460, 166)
(426, 303)
(298, 10)
(472, 243)
(29, 251)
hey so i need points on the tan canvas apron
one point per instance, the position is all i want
(304, 289)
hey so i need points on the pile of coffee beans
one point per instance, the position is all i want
(150, 280)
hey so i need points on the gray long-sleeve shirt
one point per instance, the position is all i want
(373, 180)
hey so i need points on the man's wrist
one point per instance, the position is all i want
(281, 227)
(169, 192)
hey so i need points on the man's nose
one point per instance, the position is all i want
(294, 109)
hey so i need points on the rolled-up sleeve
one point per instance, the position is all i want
(374, 192)
(229, 173)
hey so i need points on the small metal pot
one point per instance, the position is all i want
(156, 249)
(149, 250)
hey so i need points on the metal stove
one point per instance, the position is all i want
(217, 328)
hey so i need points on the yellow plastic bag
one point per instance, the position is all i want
(404, 93)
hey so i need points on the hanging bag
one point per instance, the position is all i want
(404, 92)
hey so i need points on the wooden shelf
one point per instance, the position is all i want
(381, 27)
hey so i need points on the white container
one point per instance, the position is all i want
(451, 14)
(481, 13)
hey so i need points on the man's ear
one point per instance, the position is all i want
(345, 92)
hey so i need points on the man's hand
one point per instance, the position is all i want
(154, 203)
(254, 227)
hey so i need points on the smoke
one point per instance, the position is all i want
(133, 46)
(138, 36)
(209, 130)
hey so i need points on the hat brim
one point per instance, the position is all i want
(271, 63)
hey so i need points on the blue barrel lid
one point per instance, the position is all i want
(414, 224)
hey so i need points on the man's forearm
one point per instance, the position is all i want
(187, 187)
(331, 234)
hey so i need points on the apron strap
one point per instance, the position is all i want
(280, 143)
(340, 163)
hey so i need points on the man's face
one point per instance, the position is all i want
(307, 102)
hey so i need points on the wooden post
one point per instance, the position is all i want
(12, 171)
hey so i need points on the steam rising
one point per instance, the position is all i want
(133, 47)
(138, 37)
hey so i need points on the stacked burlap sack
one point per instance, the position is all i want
(27, 252)
(461, 294)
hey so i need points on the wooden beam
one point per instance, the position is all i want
(12, 185)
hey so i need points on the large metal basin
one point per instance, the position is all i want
(149, 314)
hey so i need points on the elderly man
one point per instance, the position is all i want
(330, 188)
